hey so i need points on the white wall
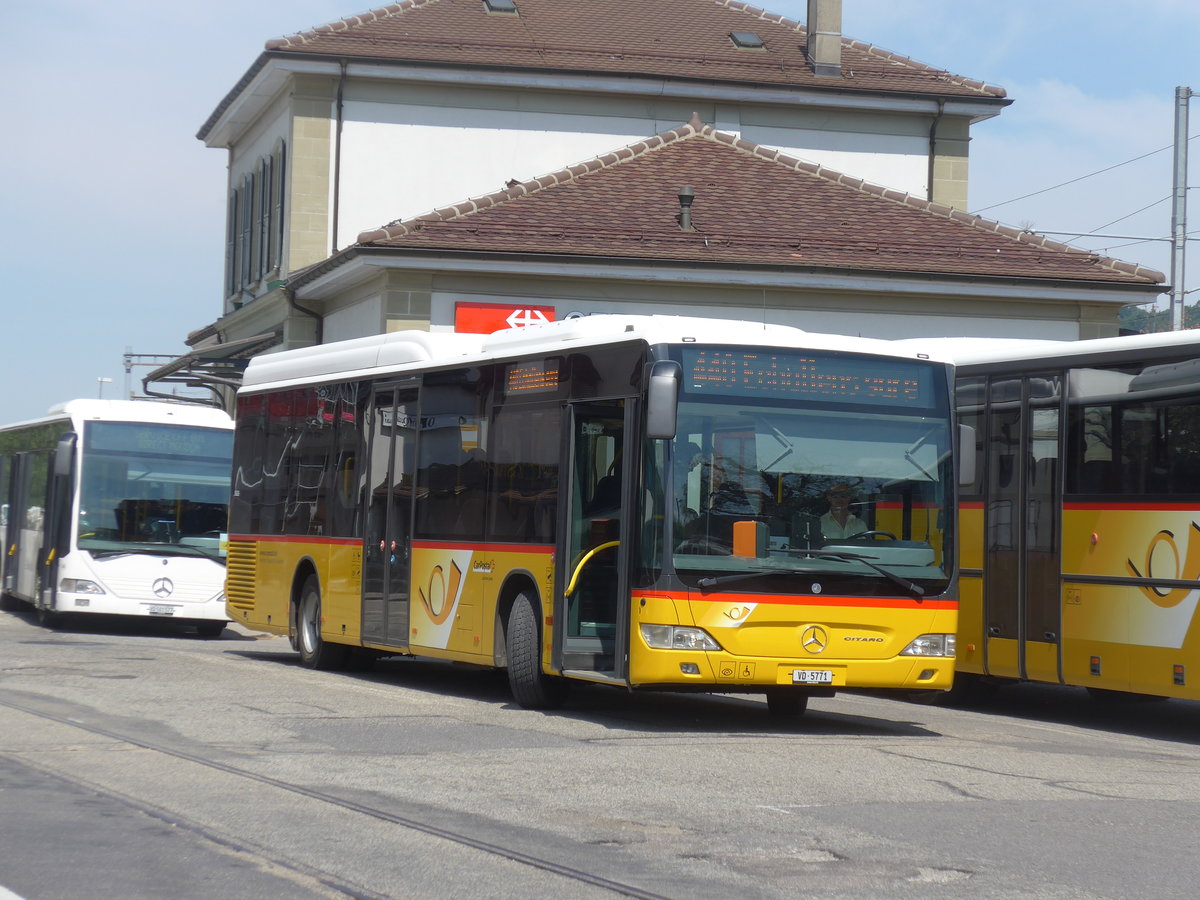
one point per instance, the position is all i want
(357, 320)
(401, 160)
(862, 324)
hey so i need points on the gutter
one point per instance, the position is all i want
(289, 294)
(937, 118)
(336, 272)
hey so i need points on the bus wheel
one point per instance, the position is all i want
(315, 653)
(531, 687)
(786, 702)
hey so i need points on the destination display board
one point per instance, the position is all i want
(532, 376)
(813, 376)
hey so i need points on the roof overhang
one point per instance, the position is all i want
(213, 367)
(360, 264)
(271, 72)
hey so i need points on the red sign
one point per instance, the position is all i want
(484, 318)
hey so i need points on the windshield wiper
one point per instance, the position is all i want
(711, 581)
(107, 554)
(909, 586)
(160, 550)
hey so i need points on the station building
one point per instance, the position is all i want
(473, 164)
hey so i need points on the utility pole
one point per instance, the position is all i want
(1179, 206)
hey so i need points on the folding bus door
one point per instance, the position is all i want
(391, 456)
(26, 513)
(1022, 585)
(593, 606)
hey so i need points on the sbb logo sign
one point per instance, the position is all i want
(484, 318)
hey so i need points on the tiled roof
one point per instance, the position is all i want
(753, 205)
(687, 39)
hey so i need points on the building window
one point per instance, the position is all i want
(255, 228)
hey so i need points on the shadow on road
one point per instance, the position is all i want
(645, 711)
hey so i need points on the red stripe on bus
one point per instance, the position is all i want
(488, 548)
(297, 539)
(804, 600)
(1134, 505)
(971, 504)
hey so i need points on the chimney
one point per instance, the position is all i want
(825, 37)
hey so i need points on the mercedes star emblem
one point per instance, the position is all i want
(814, 639)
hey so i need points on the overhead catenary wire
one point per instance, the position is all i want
(1122, 218)
(1055, 187)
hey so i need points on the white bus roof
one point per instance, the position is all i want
(374, 355)
(971, 351)
(152, 411)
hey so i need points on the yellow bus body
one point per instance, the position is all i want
(453, 600)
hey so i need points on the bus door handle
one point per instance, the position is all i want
(993, 631)
(1050, 636)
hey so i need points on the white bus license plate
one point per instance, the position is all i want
(162, 610)
(812, 676)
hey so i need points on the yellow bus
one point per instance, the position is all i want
(633, 501)
(1080, 550)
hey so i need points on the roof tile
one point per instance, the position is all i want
(663, 38)
(753, 205)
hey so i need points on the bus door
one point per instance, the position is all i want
(593, 592)
(26, 511)
(56, 522)
(1022, 593)
(391, 458)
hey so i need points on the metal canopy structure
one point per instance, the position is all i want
(217, 368)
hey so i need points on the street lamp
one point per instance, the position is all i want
(101, 381)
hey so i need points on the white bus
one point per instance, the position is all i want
(117, 507)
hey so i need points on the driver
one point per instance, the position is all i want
(839, 522)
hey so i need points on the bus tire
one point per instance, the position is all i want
(531, 687)
(315, 652)
(786, 702)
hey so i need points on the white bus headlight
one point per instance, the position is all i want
(678, 637)
(930, 645)
(79, 586)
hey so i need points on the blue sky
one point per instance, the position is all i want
(113, 213)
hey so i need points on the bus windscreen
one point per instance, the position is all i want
(153, 484)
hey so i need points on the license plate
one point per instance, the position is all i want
(812, 676)
(162, 610)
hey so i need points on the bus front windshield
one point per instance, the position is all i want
(153, 488)
(803, 485)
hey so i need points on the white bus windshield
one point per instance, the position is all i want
(157, 488)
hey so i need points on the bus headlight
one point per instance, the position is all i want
(79, 586)
(930, 645)
(678, 637)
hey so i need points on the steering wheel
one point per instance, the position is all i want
(865, 534)
(704, 545)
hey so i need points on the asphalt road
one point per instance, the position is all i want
(146, 762)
